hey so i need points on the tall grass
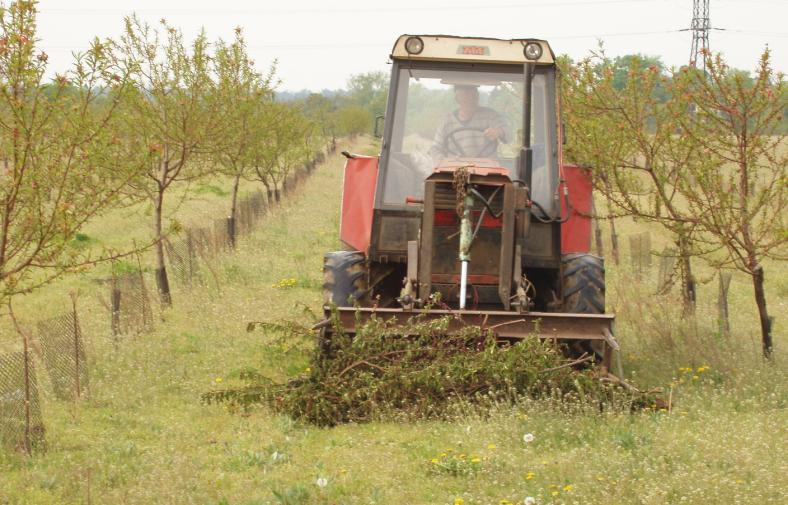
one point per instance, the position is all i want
(143, 436)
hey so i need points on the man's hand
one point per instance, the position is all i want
(493, 133)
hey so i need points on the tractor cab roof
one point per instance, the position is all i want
(470, 49)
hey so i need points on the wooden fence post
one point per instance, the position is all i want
(645, 250)
(75, 329)
(600, 248)
(667, 263)
(635, 254)
(614, 241)
(115, 294)
(26, 361)
(722, 303)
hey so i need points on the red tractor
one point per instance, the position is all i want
(469, 210)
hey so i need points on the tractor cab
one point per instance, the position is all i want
(469, 210)
(444, 102)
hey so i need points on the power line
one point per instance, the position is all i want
(356, 45)
(621, 34)
(307, 10)
(751, 32)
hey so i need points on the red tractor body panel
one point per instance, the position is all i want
(576, 231)
(358, 199)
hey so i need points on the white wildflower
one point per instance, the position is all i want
(322, 482)
(529, 500)
(528, 438)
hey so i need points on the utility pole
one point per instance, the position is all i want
(700, 32)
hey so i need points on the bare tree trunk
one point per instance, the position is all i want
(231, 223)
(162, 282)
(269, 193)
(277, 195)
(688, 288)
(760, 300)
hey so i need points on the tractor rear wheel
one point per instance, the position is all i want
(583, 287)
(344, 278)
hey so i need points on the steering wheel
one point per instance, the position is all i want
(489, 147)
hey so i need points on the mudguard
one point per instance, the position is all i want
(358, 199)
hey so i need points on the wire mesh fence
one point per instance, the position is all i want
(21, 422)
(61, 345)
(667, 270)
(125, 296)
(188, 256)
(63, 353)
(640, 252)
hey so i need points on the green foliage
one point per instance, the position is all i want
(455, 464)
(82, 241)
(295, 495)
(62, 159)
(206, 188)
(353, 120)
(369, 91)
(697, 152)
(377, 372)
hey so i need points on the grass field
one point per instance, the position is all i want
(143, 436)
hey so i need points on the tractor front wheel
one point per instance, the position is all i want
(583, 284)
(344, 278)
(583, 287)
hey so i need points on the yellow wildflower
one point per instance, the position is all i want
(491, 446)
(218, 380)
(568, 487)
(476, 461)
(458, 501)
(554, 493)
(434, 461)
(530, 475)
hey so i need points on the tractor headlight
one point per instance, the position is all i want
(414, 45)
(532, 51)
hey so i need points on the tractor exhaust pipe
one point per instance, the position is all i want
(463, 284)
(466, 237)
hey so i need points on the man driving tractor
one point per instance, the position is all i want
(471, 131)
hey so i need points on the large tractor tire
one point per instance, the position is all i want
(583, 283)
(344, 284)
(583, 287)
(344, 278)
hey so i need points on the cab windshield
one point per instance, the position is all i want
(448, 114)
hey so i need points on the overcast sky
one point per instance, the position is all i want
(320, 43)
